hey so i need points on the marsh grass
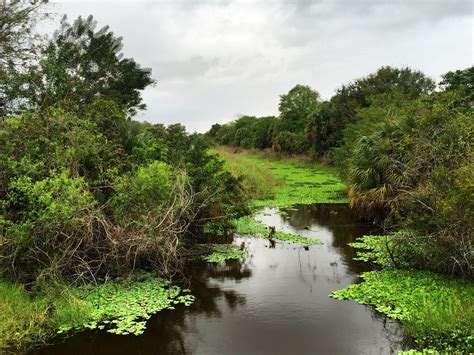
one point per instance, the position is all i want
(283, 182)
(27, 319)
(258, 181)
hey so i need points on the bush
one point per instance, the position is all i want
(146, 191)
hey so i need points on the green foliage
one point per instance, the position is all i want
(356, 95)
(417, 168)
(248, 226)
(119, 306)
(17, 39)
(78, 65)
(147, 189)
(257, 178)
(437, 311)
(124, 306)
(295, 107)
(222, 252)
(375, 248)
(37, 220)
(461, 81)
(289, 142)
(295, 238)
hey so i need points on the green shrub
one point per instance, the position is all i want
(148, 189)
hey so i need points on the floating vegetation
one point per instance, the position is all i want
(436, 311)
(222, 252)
(123, 307)
(249, 227)
(295, 238)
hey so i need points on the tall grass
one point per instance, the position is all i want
(258, 181)
(27, 319)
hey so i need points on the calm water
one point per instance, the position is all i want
(273, 302)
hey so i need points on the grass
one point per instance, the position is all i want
(222, 252)
(26, 319)
(120, 307)
(435, 310)
(259, 181)
(284, 183)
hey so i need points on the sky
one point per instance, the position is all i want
(214, 60)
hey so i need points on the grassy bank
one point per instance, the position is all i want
(118, 306)
(26, 319)
(282, 183)
(435, 310)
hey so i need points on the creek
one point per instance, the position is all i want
(274, 301)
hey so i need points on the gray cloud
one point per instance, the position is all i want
(216, 59)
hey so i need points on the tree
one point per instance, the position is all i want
(461, 81)
(356, 95)
(416, 168)
(78, 65)
(318, 129)
(295, 107)
(17, 19)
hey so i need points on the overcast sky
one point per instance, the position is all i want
(215, 60)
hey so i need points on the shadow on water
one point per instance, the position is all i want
(275, 301)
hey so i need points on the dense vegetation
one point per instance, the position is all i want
(404, 146)
(87, 194)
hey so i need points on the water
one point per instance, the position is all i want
(273, 302)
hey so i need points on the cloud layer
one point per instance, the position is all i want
(214, 60)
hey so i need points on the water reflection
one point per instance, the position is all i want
(273, 302)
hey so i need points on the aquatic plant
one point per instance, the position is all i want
(248, 226)
(222, 252)
(124, 306)
(435, 310)
(295, 238)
